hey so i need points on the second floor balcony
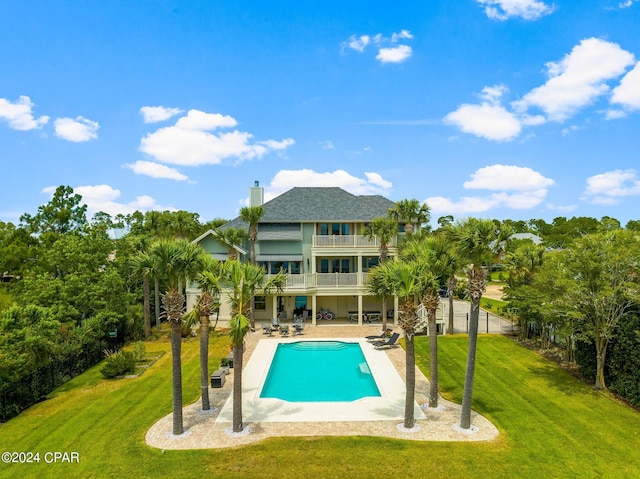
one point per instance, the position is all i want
(325, 280)
(347, 241)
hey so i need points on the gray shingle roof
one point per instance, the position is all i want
(320, 204)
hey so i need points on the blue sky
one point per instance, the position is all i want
(489, 108)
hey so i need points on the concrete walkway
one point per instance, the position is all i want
(202, 431)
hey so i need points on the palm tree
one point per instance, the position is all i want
(384, 230)
(242, 282)
(175, 261)
(252, 215)
(232, 237)
(475, 242)
(402, 278)
(431, 254)
(209, 280)
(142, 265)
(410, 212)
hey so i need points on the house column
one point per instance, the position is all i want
(359, 309)
(313, 309)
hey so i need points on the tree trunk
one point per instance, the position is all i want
(156, 285)
(238, 426)
(146, 306)
(433, 359)
(410, 380)
(465, 416)
(176, 346)
(204, 361)
(601, 355)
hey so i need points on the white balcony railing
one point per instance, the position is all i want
(347, 241)
(323, 280)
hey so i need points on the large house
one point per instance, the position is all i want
(316, 236)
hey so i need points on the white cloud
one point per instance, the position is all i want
(156, 170)
(625, 4)
(396, 54)
(378, 180)
(103, 198)
(199, 120)
(507, 178)
(358, 43)
(327, 145)
(514, 187)
(191, 142)
(561, 208)
(492, 122)
(154, 114)
(77, 130)
(627, 93)
(570, 129)
(389, 48)
(402, 34)
(19, 114)
(465, 205)
(284, 180)
(578, 79)
(525, 9)
(607, 188)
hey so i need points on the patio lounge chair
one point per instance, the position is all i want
(284, 330)
(391, 343)
(380, 337)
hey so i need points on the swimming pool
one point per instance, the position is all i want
(319, 371)
(389, 405)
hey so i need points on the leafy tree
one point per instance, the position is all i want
(243, 281)
(597, 287)
(252, 216)
(474, 241)
(17, 248)
(64, 213)
(633, 225)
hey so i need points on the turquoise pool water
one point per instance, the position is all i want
(319, 371)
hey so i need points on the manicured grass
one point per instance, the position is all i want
(551, 425)
(493, 305)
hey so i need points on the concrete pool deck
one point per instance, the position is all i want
(275, 418)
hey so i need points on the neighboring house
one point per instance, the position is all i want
(315, 235)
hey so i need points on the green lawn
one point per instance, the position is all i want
(551, 425)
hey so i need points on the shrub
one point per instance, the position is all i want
(139, 351)
(118, 364)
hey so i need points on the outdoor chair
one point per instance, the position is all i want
(298, 326)
(391, 343)
(266, 329)
(275, 324)
(284, 330)
(381, 337)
